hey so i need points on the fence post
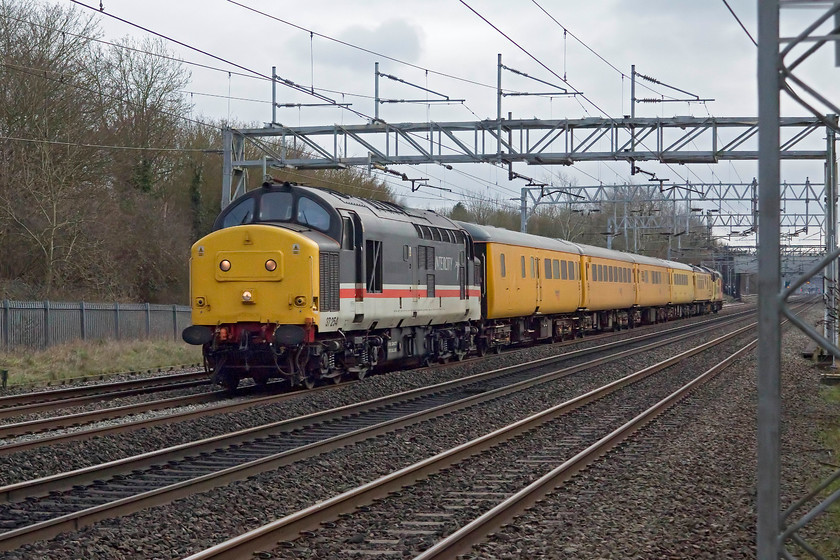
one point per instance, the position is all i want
(117, 320)
(47, 324)
(175, 322)
(83, 320)
(7, 325)
(148, 321)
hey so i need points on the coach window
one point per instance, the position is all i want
(556, 264)
(522, 261)
(502, 262)
(547, 267)
(612, 274)
(533, 272)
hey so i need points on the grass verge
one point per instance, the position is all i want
(85, 359)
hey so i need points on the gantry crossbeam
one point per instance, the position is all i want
(679, 140)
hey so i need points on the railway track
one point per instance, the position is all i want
(39, 401)
(32, 427)
(404, 512)
(159, 477)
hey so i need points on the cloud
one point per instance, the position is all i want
(397, 38)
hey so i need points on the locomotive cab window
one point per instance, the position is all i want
(276, 207)
(242, 213)
(312, 214)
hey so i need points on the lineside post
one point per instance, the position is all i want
(769, 264)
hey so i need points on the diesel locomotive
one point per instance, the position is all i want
(312, 285)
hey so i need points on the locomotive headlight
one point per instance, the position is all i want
(224, 265)
(271, 265)
(300, 301)
(247, 296)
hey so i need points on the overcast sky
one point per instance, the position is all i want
(696, 46)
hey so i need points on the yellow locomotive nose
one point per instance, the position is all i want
(254, 273)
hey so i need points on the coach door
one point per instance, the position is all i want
(359, 275)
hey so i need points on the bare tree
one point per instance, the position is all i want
(48, 175)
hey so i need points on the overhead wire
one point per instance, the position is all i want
(254, 72)
(46, 73)
(608, 116)
(180, 61)
(357, 47)
(288, 83)
(108, 147)
(312, 90)
(257, 74)
(731, 11)
(587, 47)
(578, 93)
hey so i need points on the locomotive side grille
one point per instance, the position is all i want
(329, 282)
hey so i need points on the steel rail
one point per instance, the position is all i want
(73, 521)
(309, 519)
(86, 434)
(223, 408)
(68, 392)
(79, 418)
(462, 540)
(97, 396)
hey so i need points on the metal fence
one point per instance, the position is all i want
(40, 324)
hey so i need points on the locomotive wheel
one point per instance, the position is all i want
(361, 373)
(497, 349)
(481, 348)
(260, 381)
(309, 382)
(229, 382)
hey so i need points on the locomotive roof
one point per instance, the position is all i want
(379, 208)
(491, 234)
